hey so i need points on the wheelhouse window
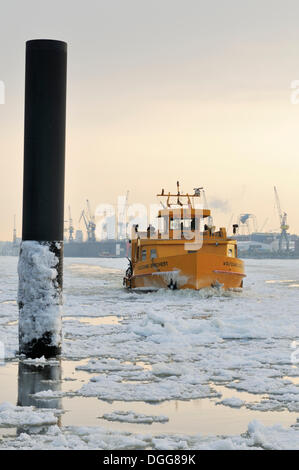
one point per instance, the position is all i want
(153, 253)
(231, 251)
(143, 255)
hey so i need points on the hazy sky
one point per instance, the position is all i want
(163, 90)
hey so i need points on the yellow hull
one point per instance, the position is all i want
(194, 270)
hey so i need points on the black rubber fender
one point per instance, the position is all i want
(172, 285)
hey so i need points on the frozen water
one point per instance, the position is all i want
(257, 437)
(11, 416)
(232, 349)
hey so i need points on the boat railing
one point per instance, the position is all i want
(178, 234)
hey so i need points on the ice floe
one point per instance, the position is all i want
(234, 402)
(11, 416)
(257, 436)
(133, 417)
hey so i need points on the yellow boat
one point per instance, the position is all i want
(186, 252)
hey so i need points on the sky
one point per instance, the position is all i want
(160, 91)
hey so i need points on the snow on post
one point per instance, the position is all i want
(41, 255)
(39, 299)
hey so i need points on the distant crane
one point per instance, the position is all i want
(283, 223)
(90, 224)
(71, 227)
(83, 216)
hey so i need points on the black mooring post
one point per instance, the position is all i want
(41, 255)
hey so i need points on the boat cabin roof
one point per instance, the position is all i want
(175, 213)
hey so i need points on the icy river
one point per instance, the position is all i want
(164, 370)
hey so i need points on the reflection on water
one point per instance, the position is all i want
(89, 270)
(33, 379)
(287, 282)
(106, 320)
(187, 417)
(294, 380)
(38, 378)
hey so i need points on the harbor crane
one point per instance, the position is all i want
(283, 223)
(89, 221)
(83, 216)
